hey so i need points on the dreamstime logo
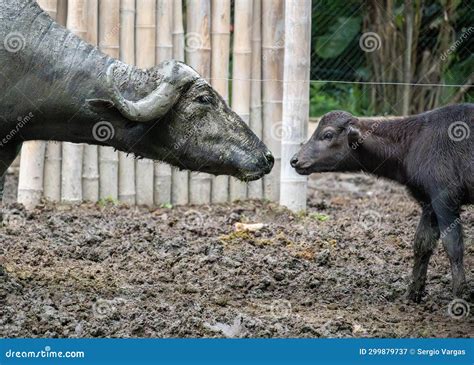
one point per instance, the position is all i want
(280, 131)
(193, 42)
(21, 122)
(103, 131)
(464, 36)
(193, 219)
(369, 219)
(458, 309)
(370, 42)
(274, 51)
(12, 220)
(281, 308)
(14, 42)
(458, 131)
(103, 308)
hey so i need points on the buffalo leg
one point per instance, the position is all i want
(426, 237)
(452, 238)
(7, 156)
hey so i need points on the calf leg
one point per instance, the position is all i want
(452, 238)
(426, 237)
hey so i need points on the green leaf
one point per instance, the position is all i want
(319, 216)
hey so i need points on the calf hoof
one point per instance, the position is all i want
(415, 294)
(461, 291)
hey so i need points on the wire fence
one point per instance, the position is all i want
(369, 57)
(391, 57)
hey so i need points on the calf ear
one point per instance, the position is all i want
(354, 136)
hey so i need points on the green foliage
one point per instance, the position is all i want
(325, 97)
(338, 37)
(337, 55)
(104, 202)
(457, 74)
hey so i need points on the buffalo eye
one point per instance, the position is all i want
(204, 99)
(328, 136)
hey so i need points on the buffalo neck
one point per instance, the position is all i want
(51, 75)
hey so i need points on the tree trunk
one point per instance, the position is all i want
(126, 179)
(255, 188)
(220, 39)
(71, 169)
(198, 55)
(295, 99)
(407, 64)
(145, 58)
(179, 179)
(164, 51)
(90, 165)
(273, 27)
(241, 73)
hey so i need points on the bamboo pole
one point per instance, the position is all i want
(179, 179)
(198, 55)
(32, 160)
(49, 6)
(90, 163)
(52, 161)
(272, 88)
(241, 73)
(295, 99)
(72, 153)
(30, 182)
(164, 51)
(52, 154)
(220, 38)
(52, 171)
(145, 58)
(109, 38)
(126, 178)
(61, 15)
(255, 188)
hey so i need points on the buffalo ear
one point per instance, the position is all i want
(354, 136)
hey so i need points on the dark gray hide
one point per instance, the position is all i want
(55, 86)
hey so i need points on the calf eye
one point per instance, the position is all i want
(204, 99)
(328, 135)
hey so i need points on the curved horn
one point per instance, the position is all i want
(159, 101)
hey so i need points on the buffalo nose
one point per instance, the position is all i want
(270, 158)
(293, 161)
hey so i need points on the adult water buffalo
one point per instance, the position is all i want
(55, 86)
(431, 153)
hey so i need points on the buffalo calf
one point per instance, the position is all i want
(432, 154)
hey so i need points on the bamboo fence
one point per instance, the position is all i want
(240, 49)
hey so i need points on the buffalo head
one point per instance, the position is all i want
(184, 122)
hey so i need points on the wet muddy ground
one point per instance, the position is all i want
(341, 270)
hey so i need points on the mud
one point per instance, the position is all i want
(341, 270)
